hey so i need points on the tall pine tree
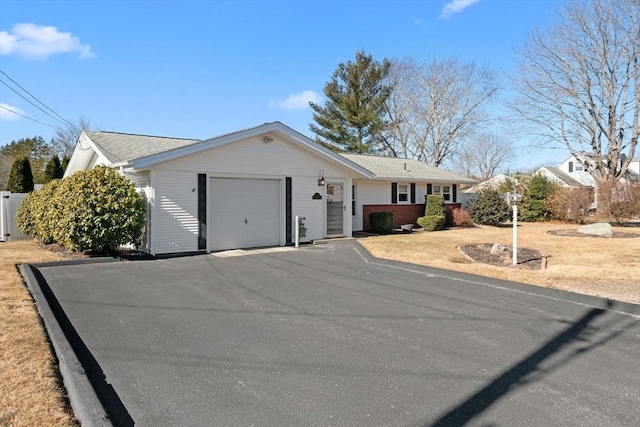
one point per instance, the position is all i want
(352, 118)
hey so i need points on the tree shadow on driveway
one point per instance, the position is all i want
(529, 369)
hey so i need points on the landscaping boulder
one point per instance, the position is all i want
(499, 250)
(601, 229)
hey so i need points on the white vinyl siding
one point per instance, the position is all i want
(174, 213)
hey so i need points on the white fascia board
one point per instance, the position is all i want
(82, 154)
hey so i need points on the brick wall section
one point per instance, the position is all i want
(403, 213)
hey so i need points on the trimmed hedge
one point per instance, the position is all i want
(434, 205)
(431, 222)
(97, 210)
(381, 222)
(434, 218)
(24, 217)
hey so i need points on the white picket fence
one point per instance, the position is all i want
(9, 203)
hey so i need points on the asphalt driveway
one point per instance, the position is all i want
(328, 335)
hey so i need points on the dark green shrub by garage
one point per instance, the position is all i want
(433, 219)
(381, 222)
(97, 210)
(102, 211)
(24, 215)
(46, 212)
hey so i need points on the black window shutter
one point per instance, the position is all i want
(413, 192)
(429, 188)
(287, 209)
(394, 192)
(455, 193)
(202, 211)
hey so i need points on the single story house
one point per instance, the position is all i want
(245, 189)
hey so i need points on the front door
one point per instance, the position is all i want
(335, 209)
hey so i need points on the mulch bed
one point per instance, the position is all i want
(574, 233)
(528, 259)
(66, 254)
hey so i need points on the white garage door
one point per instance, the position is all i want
(244, 213)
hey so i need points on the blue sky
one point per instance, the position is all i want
(198, 68)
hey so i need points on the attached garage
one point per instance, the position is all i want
(244, 213)
(239, 190)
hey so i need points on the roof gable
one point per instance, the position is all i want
(560, 176)
(276, 128)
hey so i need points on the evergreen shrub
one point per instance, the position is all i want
(434, 217)
(21, 176)
(97, 210)
(102, 211)
(381, 222)
(535, 207)
(431, 222)
(489, 208)
(53, 170)
(24, 215)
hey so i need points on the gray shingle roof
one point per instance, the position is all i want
(564, 177)
(120, 147)
(391, 168)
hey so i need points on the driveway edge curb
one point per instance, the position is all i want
(83, 399)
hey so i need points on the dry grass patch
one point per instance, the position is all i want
(30, 394)
(595, 266)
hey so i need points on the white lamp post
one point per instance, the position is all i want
(513, 199)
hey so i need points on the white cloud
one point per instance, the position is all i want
(297, 101)
(39, 42)
(5, 114)
(455, 6)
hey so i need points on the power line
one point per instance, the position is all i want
(31, 102)
(26, 117)
(59, 118)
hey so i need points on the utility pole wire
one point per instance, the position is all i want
(58, 118)
(26, 117)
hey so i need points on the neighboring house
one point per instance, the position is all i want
(572, 174)
(491, 183)
(563, 179)
(245, 189)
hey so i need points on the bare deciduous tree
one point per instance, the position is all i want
(435, 106)
(579, 82)
(483, 155)
(65, 138)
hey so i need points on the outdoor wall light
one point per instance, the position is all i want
(321, 178)
(267, 139)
